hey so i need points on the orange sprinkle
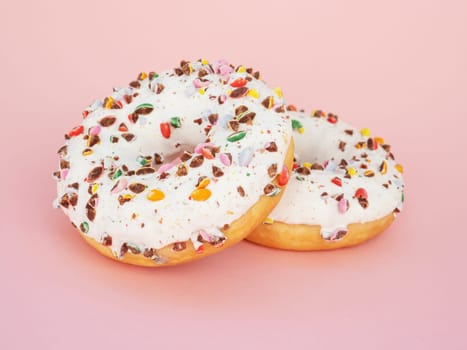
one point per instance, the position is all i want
(201, 194)
(155, 195)
(399, 168)
(204, 183)
(379, 140)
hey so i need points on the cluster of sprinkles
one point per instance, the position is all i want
(146, 180)
(366, 158)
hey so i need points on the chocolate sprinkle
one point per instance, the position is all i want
(107, 241)
(216, 171)
(145, 171)
(182, 170)
(157, 158)
(136, 187)
(241, 191)
(272, 147)
(179, 246)
(240, 109)
(213, 118)
(95, 173)
(197, 161)
(128, 137)
(268, 188)
(185, 156)
(239, 92)
(303, 171)
(342, 145)
(272, 170)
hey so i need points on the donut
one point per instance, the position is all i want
(177, 165)
(345, 188)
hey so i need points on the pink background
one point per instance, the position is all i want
(399, 68)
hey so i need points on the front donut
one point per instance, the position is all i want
(178, 165)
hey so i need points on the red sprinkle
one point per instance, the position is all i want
(239, 82)
(295, 166)
(76, 131)
(284, 176)
(165, 130)
(332, 119)
(85, 114)
(119, 104)
(337, 181)
(361, 193)
(200, 249)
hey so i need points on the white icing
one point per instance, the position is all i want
(176, 218)
(303, 203)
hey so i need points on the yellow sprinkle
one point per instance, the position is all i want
(94, 188)
(201, 91)
(128, 196)
(230, 212)
(204, 62)
(307, 165)
(200, 194)
(278, 91)
(87, 152)
(143, 75)
(109, 102)
(352, 171)
(268, 221)
(384, 167)
(155, 195)
(204, 183)
(241, 69)
(399, 168)
(301, 130)
(380, 140)
(365, 132)
(253, 93)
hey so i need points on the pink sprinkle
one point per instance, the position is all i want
(120, 186)
(343, 205)
(168, 166)
(165, 167)
(205, 235)
(200, 84)
(224, 159)
(64, 174)
(95, 130)
(199, 147)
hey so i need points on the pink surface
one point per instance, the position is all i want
(399, 68)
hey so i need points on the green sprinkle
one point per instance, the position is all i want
(84, 227)
(403, 197)
(175, 122)
(296, 124)
(236, 136)
(117, 174)
(142, 161)
(274, 192)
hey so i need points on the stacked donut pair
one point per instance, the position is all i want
(187, 162)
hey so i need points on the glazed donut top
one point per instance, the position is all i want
(174, 156)
(341, 176)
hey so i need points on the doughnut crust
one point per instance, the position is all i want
(237, 231)
(308, 237)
